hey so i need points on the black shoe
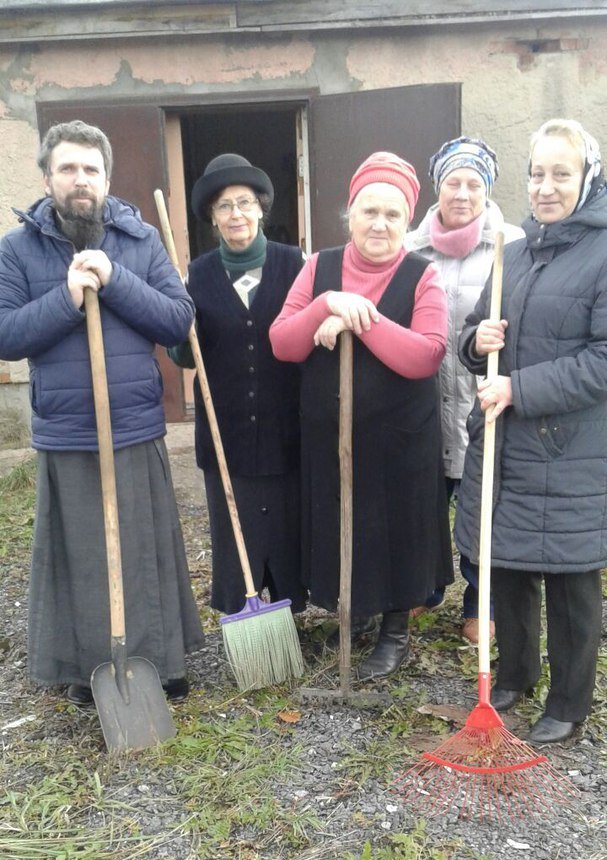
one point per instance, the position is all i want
(79, 694)
(547, 730)
(503, 700)
(391, 650)
(176, 689)
(362, 626)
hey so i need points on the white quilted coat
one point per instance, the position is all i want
(463, 280)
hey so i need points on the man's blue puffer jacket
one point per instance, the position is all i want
(143, 304)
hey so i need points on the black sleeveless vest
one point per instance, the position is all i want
(402, 545)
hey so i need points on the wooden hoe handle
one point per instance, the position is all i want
(106, 463)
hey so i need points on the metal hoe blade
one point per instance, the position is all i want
(144, 720)
(355, 698)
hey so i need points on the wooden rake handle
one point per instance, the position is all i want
(209, 407)
(345, 531)
(484, 561)
(106, 464)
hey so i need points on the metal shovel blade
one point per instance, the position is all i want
(142, 722)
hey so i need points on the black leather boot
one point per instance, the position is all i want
(391, 649)
(362, 627)
(79, 694)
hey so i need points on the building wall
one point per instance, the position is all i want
(514, 77)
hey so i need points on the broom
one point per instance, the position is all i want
(484, 768)
(261, 640)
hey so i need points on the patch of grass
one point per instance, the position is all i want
(51, 817)
(219, 781)
(14, 432)
(21, 477)
(379, 759)
(414, 845)
(17, 497)
(226, 771)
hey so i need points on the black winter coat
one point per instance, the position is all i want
(256, 397)
(550, 495)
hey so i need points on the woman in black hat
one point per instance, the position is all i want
(238, 289)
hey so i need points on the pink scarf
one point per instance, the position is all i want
(458, 242)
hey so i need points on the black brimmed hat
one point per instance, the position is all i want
(224, 170)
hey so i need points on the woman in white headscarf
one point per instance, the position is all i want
(458, 235)
(550, 494)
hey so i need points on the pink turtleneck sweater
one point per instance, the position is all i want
(414, 352)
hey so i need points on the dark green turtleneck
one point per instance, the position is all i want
(236, 263)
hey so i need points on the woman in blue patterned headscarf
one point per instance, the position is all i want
(458, 234)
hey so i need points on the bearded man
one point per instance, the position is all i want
(78, 237)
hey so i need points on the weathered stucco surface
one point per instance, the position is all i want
(508, 91)
(509, 87)
(20, 181)
(514, 76)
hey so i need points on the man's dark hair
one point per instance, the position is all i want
(75, 131)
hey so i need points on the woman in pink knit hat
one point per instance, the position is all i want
(393, 303)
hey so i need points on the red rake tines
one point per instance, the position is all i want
(484, 771)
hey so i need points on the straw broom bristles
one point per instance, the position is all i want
(263, 649)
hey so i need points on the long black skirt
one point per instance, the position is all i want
(269, 513)
(69, 615)
(401, 543)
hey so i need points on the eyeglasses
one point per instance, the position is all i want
(243, 204)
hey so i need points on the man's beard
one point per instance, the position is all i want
(83, 228)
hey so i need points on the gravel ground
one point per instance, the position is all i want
(334, 784)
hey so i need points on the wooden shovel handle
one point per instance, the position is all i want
(209, 407)
(345, 531)
(484, 561)
(106, 463)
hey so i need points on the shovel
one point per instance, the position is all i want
(345, 694)
(130, 701)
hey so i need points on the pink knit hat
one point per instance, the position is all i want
(387, 167)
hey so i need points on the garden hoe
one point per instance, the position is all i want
(130, 701)
(345, 694)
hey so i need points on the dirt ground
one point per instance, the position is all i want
(187, 477)
(329, 802)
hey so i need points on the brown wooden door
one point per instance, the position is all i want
(136, 132)
(347, 127)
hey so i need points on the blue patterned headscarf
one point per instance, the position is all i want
(464, 152)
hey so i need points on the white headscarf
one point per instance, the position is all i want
(592, 167)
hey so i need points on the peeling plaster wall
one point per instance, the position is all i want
(508, 90)
(20, 181)
(513, 76)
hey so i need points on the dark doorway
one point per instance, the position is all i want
(266, 136)
(345, 128)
